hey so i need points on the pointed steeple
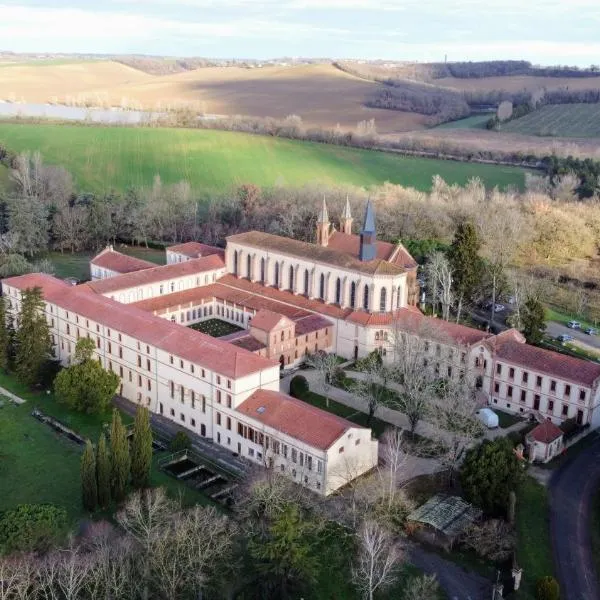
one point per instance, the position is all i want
(323, 214)
(323, 225)
(346, 219)
(368, 241)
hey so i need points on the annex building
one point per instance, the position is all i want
(346, 293)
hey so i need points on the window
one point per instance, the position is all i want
(309, 462)
(262, 270)
(567, 390)
(148, 364)
(581, 394)
(322, 287)
(229, 383)
(383, 300)
(552, 385)
(276, 274)
(193, 422)
(229, 423)
(366, 298)
(511, 372)
(218, 418)
(499, 369)
(509, 391)
(291, 279)
(172, 384)
(341, 450)
(565, 410)
(550, 406)
(523, 395)
(228, 400)
(248, 266)
(182, 417)
(338, 291)
(353, 295)
(525, 376)
(203, 404)
(218, 396)
(538, 381)
(172, 412)
(294, 455)
(149, 385)
(536, 402)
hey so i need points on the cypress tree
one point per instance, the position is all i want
(141, 448)
(465, 262)
(103, 473)
(119, 452)
(89, 488)
(5, 336)
(534, 321)
(32, 338)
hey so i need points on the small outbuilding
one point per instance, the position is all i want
(544, 442)
(442, 519)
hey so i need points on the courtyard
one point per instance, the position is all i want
(216, 328)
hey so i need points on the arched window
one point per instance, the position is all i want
(322, 287)
(235, 262)
(249, 266)
(262, 270)
(353, 295)
(306, 282)
(398, 297)
(277, 274)
(383, 300)
(366, 298)
(338, 291)
(291, 279)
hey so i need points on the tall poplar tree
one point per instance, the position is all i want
(119, 455)
(466, 263)
(33, 343)
(141, 448)
(103, 473)
(534, 321)
(89, 487)
(6, 336)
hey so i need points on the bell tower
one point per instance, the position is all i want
(323, 226)
(346, 219)
(368, 248)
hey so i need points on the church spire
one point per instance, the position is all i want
(346, 218)
(368, 242)
(323, 225)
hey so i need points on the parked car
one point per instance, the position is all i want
(498, 307)
(574, 325)
(564, 337)
(591, 331)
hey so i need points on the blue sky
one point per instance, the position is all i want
(543, 31)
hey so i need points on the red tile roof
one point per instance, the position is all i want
(158, 273)
(545, 432)
(396, 254)
(183, 342)
(311, 323)
(267, 320)
(298, 419)
(551, 363)
(322, 254)
(196, 249)
(120, 263)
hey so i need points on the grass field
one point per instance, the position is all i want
(102, 158)
(77, 264)
(38, 465)
(559, 120)
(216, 327)
(472, 122)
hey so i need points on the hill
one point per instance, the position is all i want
(102, 158)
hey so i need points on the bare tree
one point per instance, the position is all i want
(73, 570)
(439, 278)
(421, 587)
(378, 558)
(394, 459)
(371, 388)
(494, 539)
(326, 366)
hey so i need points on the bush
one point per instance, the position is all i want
(31, 528)
(547, 588)
(181, 441)
(371, 360)
(299, 387)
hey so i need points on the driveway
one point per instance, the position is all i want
(554, 329)
(458, 583)
(571, 491)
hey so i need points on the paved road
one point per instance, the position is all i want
(554, 329)
(458, 583)
(571, 492)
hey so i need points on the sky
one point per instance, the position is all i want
(542, 31)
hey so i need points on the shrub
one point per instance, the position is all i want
(181, 441)
(547, 588)
(299, 386)
(339, 377)
(371, 360)
(31, 528)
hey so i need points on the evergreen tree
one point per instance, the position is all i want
(141, 448)
(466, 263)
(89, 487)
(534, 321)
(32, 339)
(6, 336)
(119, 453)
(86, 385)
(103, 473)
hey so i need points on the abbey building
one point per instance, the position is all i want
(347, 293)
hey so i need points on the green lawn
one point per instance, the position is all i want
(534, 554)
(506, 419)
(215, 327)
(77, 264)
(472, 122)
(103, 158)
(559, 120)
(38, 465)
(559, 317)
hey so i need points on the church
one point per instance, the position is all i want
(347, 293)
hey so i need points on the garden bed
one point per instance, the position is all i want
(216, 328)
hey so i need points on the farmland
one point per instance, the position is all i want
(559, 120)
(103, 158)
